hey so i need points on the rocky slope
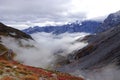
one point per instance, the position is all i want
(103, 49)
(12, 70)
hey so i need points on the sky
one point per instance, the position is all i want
(24, 13)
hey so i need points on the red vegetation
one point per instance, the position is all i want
(22, 72)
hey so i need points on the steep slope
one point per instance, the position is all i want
(102, 50)
(13, 70)
(17, 71)
(9, 31)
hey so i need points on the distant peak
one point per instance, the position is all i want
(117, 13)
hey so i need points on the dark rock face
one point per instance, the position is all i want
(9, 31)
(103, 50)
(108, 40)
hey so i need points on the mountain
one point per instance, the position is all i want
(11, 69)
(9, 31)
(103, 49)
(88, 26)
(85, 26)
(111, 21)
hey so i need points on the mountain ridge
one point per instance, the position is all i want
(9, 31)
(85, 26)
(88, 26)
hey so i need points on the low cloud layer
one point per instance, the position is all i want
(110, 72)
(41, 53)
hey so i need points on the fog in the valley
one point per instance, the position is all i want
(41, 52)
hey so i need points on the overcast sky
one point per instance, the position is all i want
(24, 13)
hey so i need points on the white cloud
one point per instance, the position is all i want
(45, 47)
(53, 11)
(96, 8)
(109, 72)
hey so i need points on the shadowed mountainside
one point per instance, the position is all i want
(103, 49)
(9, 31)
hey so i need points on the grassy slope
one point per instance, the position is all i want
(12, 70)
